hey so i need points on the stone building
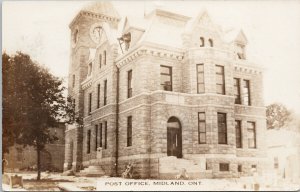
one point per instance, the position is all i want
(165, 92)
(25, 158)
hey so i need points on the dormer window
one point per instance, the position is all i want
(202, 43)
(211, 43)
(125, 39)
(241, 51)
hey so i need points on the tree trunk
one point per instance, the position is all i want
(38, 150)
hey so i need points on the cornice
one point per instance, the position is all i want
(150, 50)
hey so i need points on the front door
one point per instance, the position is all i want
(174, 140)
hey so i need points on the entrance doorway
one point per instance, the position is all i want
(174, 138)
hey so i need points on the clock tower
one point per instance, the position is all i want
(86, 34)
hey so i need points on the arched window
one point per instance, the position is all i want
(202, 42)
(90, 69)
(211, 43)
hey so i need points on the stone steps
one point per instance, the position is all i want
(91, 171)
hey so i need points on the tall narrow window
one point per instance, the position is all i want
(105, 135)
(166, 78)
(88, 142)
(129, 131)
(200, 78)
(98, 95)
(237, 91)
(220, 80)
(238, 134)
(202, 43)
(96, 137)
(100, 138)
(129, 82)
(201, 128)
(246, 92)
(105, 92)
(100, 60)
(276, 163)
(73, 81)
(90, 103)
(222, 128)
(251, 135)
(104, 57)
(90, 69)
(211, 43)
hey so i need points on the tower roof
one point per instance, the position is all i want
(103, 8)
(99, 8)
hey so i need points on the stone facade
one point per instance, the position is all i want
(161, 39)
(23, 158)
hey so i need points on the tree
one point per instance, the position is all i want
(33, 102)
(277, 116)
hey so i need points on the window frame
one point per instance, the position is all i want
(105, 93)
(238, 138)
(237, 88)
(98, 95)
(105, 134)
(199, 130)
(252, 131)
(96, 137)
(165, 74)
(129, 131)
(129, 83)
(88, 142)
(211, 43)
(90, 104)
(202, 42)
(104, 57)
(224, 167)
(220, 132)
(246, 92)
(202, 73)
(100, 135)
(222, 74)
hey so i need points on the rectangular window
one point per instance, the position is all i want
(166, 78)
(222, 128)
(224, 167)
(105, 92)
(251, 135)
(237, 91)
(90, 103)
(96, 137)
(201, 128)
(104, 57)
(129, 82)
(100, 138)
(239, 168)
(220, 80)
(100, 60)
(73, 82)
(246, 90)
(98, 96)
(88, 142)
(129, 131)
(19, 154)
(105, 135)
(254, 167)
(238, 134)
(200, 78)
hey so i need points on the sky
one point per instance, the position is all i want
(40, 29)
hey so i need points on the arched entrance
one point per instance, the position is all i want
(174, 138)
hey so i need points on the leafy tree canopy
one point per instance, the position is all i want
(277, 116)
